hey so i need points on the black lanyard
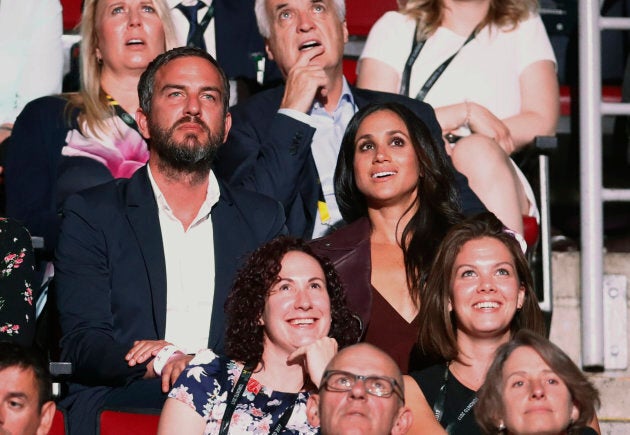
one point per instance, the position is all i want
(122, 113)
(416, 48)
(235, 395)
(203, 24)
(438, 406)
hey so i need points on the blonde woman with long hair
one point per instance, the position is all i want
(64, 144)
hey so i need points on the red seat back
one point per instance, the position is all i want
(361, 14)
(531, 230)
(59, 424)
(128, 423)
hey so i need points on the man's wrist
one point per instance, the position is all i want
(164, 356)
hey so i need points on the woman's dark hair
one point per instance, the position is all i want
(490, 410)
(438, 331)
(246, 302)
(436, 205)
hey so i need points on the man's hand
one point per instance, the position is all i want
(142, 350)
(315, 357)
(305, 82)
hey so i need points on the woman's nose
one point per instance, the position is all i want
(537, 389)
(303, 300)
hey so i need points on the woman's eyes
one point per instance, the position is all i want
(503, 271)
(366, 146)
(517, 384)
(148, 8)
(467, 273)
(398, 142)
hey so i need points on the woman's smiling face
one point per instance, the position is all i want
(297, 310)
(485, 288)
(386, 166)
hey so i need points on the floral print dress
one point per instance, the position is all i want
(17, 311)
(206, 383)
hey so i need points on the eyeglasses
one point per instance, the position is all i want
(379, 386)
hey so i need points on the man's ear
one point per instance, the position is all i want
(228, 125)
(143, 123)
(312, 410)
(268, 50)
(345, 32)
(46, 417)
(403, 421)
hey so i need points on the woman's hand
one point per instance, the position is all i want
(171, 371)
(315, 357)
(482, 121)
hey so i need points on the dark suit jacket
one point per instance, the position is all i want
(271, 153)
(110, 272)
(237, 40)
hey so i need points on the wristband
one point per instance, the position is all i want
(163, 357)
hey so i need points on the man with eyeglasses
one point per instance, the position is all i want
(361, 393)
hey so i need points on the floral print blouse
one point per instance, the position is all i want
(206, 383)
(17, 311)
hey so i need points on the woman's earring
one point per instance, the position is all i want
(501, 426)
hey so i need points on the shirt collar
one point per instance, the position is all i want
(212, 196)
(346, 97)
(172, 3)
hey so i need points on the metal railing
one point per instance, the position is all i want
(592, 191)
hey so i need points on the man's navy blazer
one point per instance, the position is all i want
(110, 275)
(238, 41)
(271, 153)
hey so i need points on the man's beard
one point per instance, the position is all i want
(189, 156)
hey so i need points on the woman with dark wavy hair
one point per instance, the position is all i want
(286, 316)
(532, 386)
(488, 69)
(395, 190)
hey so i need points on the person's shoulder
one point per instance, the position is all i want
(102, 199)
(394, 17)
(259, 104)
(370, 96)
(346, 236)
(435, 371)
(252, 205)
(47, 104)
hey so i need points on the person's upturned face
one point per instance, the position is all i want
(486, 291)
(356, 411)
(19, 403)
(129, 34)
(535, 399)
(186, 124)
(297, 310)
(305, 28)
(386, 167)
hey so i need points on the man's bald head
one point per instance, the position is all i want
(373, 402)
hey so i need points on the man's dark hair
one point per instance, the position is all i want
(147, 80)
(14, 355)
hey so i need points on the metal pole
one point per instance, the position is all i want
(591, 185)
